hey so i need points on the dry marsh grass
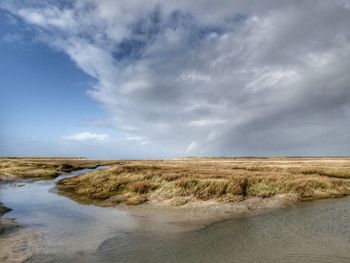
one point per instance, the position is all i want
(26, 168)
(222, 180)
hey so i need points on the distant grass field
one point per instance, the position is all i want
(219, 179)
(41, 167)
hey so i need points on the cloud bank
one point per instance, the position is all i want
(211, 78)
(86, 136)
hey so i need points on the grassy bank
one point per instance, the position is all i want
(41, 168)
(224, 180)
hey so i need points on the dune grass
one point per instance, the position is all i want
(222, 180)
(42, 168)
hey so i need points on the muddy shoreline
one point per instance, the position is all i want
(15, 245)
(200, 214)
(19, 243)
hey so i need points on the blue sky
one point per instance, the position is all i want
(44, 93)
(161, 79)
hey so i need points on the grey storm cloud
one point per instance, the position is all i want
(211, 77)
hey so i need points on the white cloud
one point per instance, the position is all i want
(134, 138)
(139, 139)
(231, 76)
(86, 136)
(203, 123)
(192, 147)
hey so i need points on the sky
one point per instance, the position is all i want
(163, 79)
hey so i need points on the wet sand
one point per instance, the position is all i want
(17, 246)
(198, 214)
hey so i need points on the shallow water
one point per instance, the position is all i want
(307, 232)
